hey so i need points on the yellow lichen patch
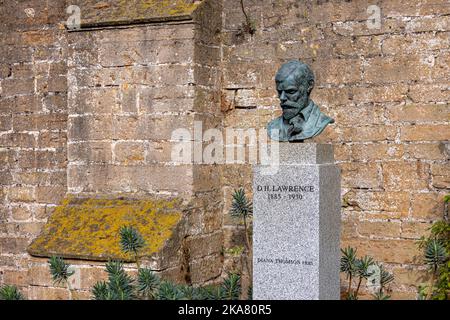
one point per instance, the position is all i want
(89, 228)
(130, 11)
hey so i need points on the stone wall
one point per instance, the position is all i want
(91, 112)
(33, 132)
(121, 92)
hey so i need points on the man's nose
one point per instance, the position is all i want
(283, 96)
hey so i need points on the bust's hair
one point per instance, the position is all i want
(302, 73)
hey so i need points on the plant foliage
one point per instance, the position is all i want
(8, 292)
(101, 291)
(436, 256)
(241, 207)
(59, 270)
(364, 269)
(348, 261)
(148, 283)
(232, 287)
(120, 284)
(131, 240)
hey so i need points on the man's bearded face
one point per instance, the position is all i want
(293, 98)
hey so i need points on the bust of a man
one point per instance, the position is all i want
(301, 118)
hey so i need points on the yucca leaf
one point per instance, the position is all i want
(59, 269)
(131, 240)
(362, 266)
(8, 292)
(120, 284)
(231, 287)
(241, 207)
(169, 291)
(148, 283)
(100, 291)
(348, 261)
(435, 254)
(385, 276)
(212, 293)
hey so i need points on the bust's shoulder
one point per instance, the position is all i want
(275, 123)
(324, 119)
(320, 117)
(275, 129)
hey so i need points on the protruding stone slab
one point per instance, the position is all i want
(83, 228)
(297, 226)
(116, 13)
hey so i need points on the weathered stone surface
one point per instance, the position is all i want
(401, 175)
(359, 174)
(441, 175)
(88, 228)
(366, 200)
(136, 11)
(403, 251)
(396, 91)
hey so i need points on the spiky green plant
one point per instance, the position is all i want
(435, 254)
(212, 293)
(148, 283)
(447, 198)
(131, 241)
(353, 267)
(348, 266)
(232, 287)
(242, 207)
(348, 261)
(385, 276)
(8, 292)
(59, 270)
(100, 291)
(169, 291)
(189, 292)
(120, 284)
(362, 270)
(250, 293)
(352, 296)
(435, 257)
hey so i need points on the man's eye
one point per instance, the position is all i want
(290, 92)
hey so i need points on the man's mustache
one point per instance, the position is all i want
(290, 105)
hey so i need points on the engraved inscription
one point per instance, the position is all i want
(285, 192)
(285, 261)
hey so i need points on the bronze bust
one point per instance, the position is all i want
(301, 118)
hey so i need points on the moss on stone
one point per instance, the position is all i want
(122, 12)
(89, 228)
(169, 7)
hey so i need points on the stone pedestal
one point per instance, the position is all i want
(296, 228)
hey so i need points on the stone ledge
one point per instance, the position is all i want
(128, 12)
(88, 229)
